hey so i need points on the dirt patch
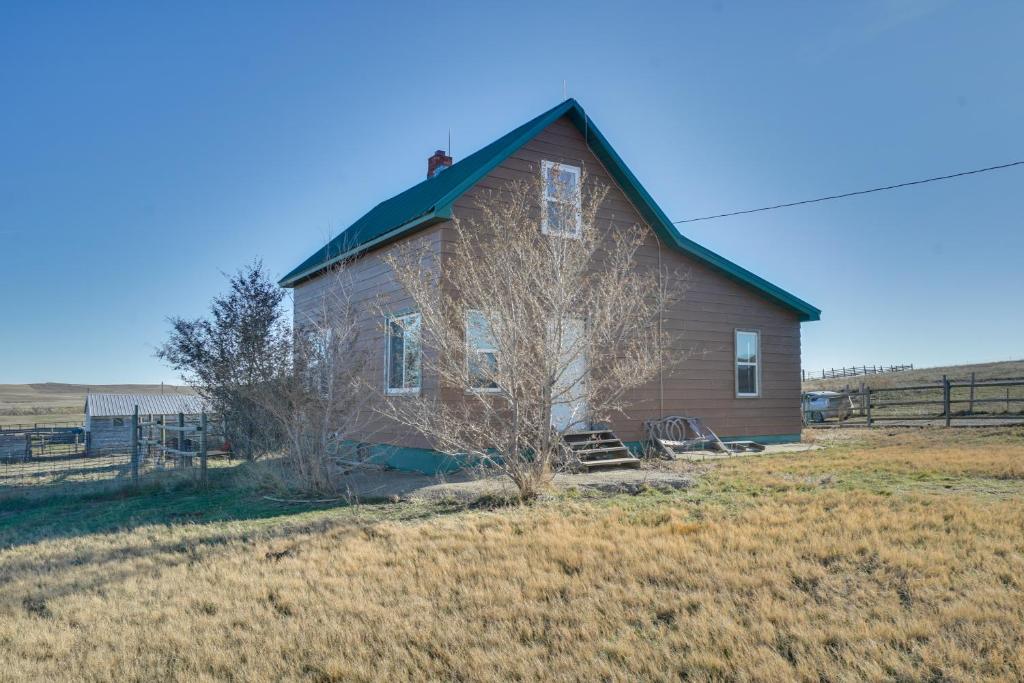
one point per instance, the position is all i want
(660, 477)
(466, 487)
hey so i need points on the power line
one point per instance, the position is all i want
(852, 194)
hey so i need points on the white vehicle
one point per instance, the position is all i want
(819, 406)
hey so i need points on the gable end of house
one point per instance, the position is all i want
(430, 202)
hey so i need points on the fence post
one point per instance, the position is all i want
(867, 403)
(862, 398)
(202, 447)
(186, 461)
(970, 408)
(945, 397)
(135, 446)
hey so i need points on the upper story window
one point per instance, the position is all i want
(403, 354)
(562, 213)
(748, 359)
(481, 353)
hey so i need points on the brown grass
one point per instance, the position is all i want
(855, 562)
(922, 453)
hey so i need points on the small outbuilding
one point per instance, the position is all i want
(108, 417)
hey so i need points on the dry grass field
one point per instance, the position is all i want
(57, 402)
(887, 555)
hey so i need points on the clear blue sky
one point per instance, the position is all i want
(145, 149)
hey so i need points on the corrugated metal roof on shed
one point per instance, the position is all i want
(117, 405)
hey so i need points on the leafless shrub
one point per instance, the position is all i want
(539, 321)
(316, 399)
(287, 392)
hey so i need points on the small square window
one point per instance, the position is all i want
(562, 213)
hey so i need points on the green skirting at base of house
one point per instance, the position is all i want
(432, 462)
(409, 459)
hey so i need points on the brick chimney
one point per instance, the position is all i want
(437, 163)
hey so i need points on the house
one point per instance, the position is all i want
(745, 383)
(108, 417)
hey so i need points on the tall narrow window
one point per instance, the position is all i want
(403, 353)
(481, 353)
(748, 376)
(562, 204)
(316, 348)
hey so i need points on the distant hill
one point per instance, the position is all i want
(60, 402)
(982, 371)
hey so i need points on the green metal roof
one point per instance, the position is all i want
(430, 202)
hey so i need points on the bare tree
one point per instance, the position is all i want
(540, 321)
(317, 400)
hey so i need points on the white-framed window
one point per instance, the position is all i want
(748, 363)
(481, 353)
(562, 212)
(403, 354)
(315, 345)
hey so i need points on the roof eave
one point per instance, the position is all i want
(432, 217)
(667, 230)
(527, 135)
(442, 210)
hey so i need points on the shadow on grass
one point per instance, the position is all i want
(80, 545)
(233, 494)
(112, 506)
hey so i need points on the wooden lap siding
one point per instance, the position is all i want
(703, 322)
(371, 285)
(104, 434)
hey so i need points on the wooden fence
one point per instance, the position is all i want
(26, 441)
(944, 401)
(855, 371)
(38, 459)
(150, 438)
(41, 426)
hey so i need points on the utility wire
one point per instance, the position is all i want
(852, 194)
